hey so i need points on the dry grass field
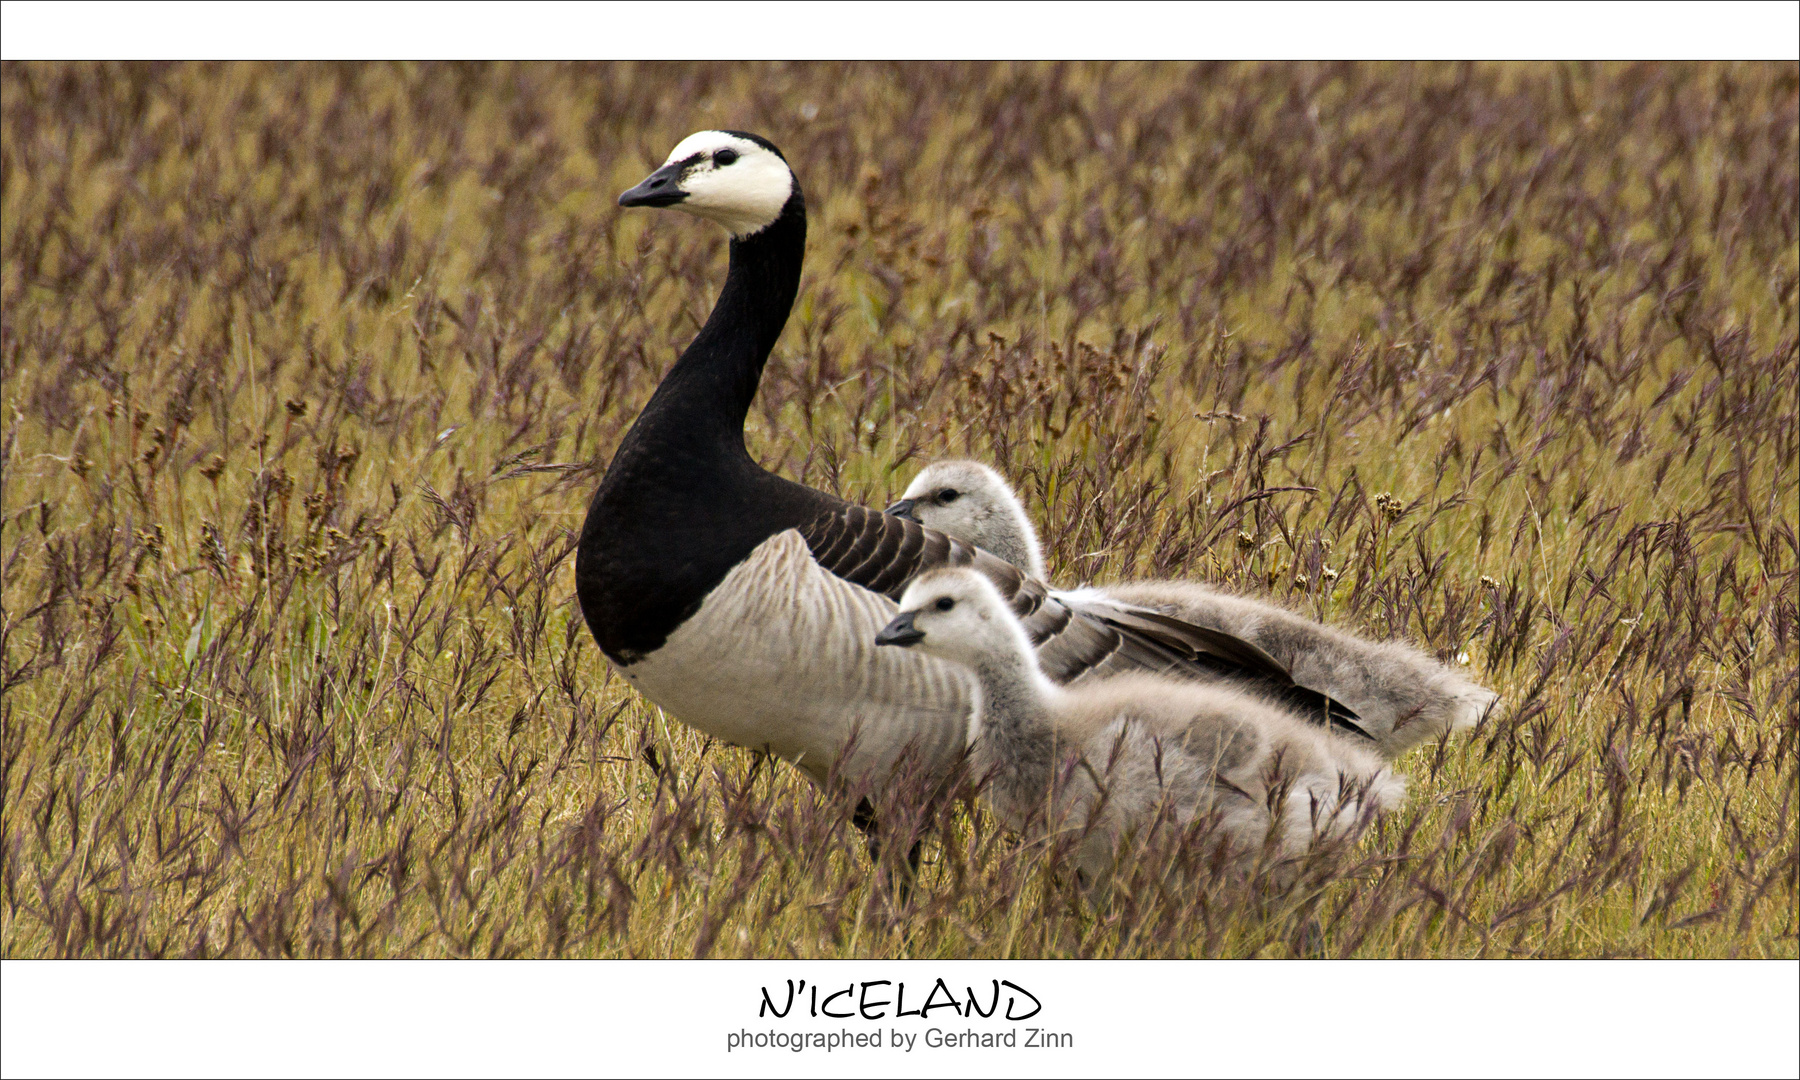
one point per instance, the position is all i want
(309, 372)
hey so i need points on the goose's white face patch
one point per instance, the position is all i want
(732, 181)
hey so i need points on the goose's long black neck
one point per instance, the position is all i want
(682, 502)
(702, 402)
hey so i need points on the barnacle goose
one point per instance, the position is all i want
(1101, 759)
(1400, 695)
(745, 605)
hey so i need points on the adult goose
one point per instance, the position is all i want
(746, 605)
(1401, 695)
(1101, 760)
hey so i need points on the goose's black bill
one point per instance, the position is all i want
(660, 188)
(901, 631)
(903, 509)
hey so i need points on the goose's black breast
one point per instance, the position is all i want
(662, 534)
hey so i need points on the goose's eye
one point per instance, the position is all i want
(725, 157)
(944, 603)
(948, 496)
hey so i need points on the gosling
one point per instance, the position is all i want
(1401, 695)
(1102, 760)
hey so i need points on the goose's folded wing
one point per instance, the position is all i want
(877, 551)
(1074, 638)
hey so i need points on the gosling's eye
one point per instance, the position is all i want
(944, 603)
(948, 496)
(725, 157)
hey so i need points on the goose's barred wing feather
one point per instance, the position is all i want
(882, 553)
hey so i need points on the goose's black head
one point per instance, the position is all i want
(736, 179)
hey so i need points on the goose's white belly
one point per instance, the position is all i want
(782, 657)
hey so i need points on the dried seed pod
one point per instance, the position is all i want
(212, 549)
(151, 540)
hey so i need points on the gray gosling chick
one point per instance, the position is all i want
(1104, 759)
(1402, 695)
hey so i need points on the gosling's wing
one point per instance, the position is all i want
(1187, 638)
(1215, 655)
(1075, 637)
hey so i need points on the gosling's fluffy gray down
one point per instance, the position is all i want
(1402, 695)
(1104, 759)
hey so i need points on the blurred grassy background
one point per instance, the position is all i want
(309, 372)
